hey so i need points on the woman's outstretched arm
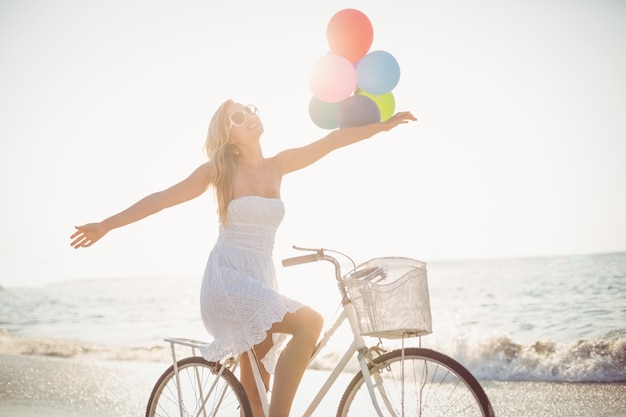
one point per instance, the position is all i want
(189, 188)
(297, 158)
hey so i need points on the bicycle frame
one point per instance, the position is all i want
(451, 388)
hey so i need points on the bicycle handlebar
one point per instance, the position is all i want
(365, 274)
(303, 259)
(319, 255)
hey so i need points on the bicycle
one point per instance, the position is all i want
(383, 298)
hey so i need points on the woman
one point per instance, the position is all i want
(240, 305)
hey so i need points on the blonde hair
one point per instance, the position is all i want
(223, 158)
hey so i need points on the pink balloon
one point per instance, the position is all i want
(334, 78)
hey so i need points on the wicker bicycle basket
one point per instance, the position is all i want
(394, 302)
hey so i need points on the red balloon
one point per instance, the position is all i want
(350, 34)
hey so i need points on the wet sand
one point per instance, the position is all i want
(40, 385)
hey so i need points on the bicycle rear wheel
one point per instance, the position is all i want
(207, 389)
(422, 382)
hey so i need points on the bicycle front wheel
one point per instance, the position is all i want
(206, 389)
(416, 382)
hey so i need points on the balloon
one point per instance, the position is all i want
(386, 103)
(350, 34)
(333, 78)
(357, 110)
(323, 114)
(378, 72)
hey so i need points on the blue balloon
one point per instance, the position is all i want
(378, 72)
(357, 110)
(323, 114)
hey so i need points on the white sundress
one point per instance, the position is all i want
(239, 298)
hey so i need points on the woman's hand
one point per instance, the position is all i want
(398, 118)
(87, 235)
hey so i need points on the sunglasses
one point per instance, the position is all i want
(238, 117)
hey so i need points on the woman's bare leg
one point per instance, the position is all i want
(305, 326)
(247, 377)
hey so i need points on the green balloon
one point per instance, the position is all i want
(386, 103)
(323, 114)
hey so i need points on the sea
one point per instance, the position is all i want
(556, 319)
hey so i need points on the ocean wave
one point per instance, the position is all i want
(497, 358)
(61, 348)
(500, 358)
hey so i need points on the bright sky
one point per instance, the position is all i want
(520, 148)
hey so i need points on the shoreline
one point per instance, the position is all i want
(33, 385)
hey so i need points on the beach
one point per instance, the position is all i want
(34, 385)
